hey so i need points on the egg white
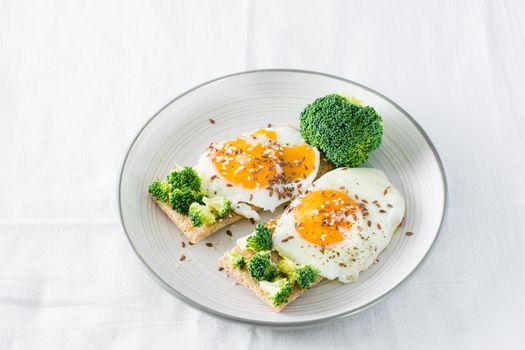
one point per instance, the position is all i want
(240, 196)
(361, 244)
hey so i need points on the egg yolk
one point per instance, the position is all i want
(270, 134)
(321, 215)
(254, 161)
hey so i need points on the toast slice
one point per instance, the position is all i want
(195, 234)
(243, 277)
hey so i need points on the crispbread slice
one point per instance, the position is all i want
(195, 234)
(244, 278)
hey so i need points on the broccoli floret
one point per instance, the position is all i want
(342, 129)
(219, 205)
(279, 290)
(237, 260)
(260, 240)
(304, 275)
(180, 200)
(261, 267)
(160, 190)
(187, 178)
(200, 215)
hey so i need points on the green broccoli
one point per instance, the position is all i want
(260, 240)
(237, 260)
(279, 290)
(219, 205)
(261, 267)
(200, 215)
(304, 275)
(180, 200)
(343, 129)
(187, 178)
(160, 190)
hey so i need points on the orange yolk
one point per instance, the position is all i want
(251, 162)
(271, 134)
(321, 214)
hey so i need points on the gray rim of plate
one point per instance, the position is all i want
(172, 291)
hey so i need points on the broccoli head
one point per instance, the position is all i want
(160, 190)
(304, 275)
(200, 215)
(219, 205)
(237, 260)
(187, 178)
(343, 129)
(279, 290)
(261, 267)
(260, 239)
(181, 200)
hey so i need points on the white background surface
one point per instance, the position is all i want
(77, 81)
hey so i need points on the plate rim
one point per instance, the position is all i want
(292, 324)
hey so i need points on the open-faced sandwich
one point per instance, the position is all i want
(334, 230)
(338, 226)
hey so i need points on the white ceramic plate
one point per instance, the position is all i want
(243, 102)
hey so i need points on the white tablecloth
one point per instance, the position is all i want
(78, 80)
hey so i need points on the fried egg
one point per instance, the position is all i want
(264, 168)
(341, 223)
